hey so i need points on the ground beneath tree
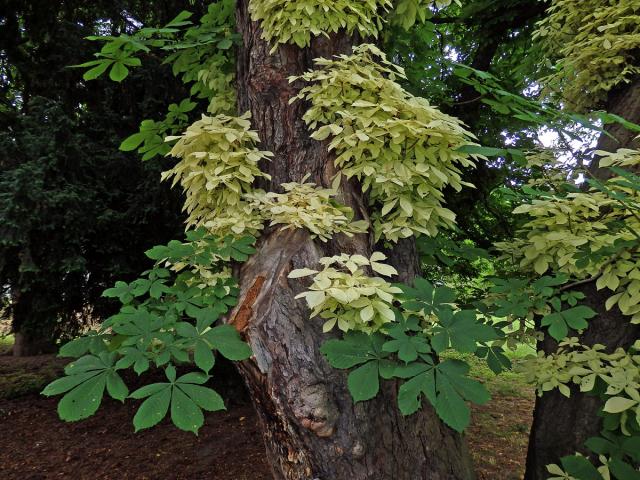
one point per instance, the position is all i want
(35, 444)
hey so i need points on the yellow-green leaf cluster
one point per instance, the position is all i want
(218, 164)
(582, 365)
(624, 157)
(402, 149)
(595, 42)
(303, 205)
(296, 21)
(551, 174)
(218, 82)
(561, 227)
(344, 295)
(209, 274)
(558, 226)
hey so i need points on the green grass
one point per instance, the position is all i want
(508, 383)
(6, 343)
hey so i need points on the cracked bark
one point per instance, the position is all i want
(561, 425)
(311, 427)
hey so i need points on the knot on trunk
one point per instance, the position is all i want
(315, 410)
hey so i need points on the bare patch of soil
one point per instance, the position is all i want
(499, 435)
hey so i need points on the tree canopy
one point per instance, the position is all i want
(75, 212)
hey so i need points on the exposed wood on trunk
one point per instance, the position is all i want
(311, 427)
(561, 425)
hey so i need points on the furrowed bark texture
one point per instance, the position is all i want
(311, 427)
(561, 425)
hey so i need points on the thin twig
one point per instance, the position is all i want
(580, 282)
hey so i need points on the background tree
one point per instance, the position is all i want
(563, 425)
(75, 213)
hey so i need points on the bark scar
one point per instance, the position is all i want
(245, 311)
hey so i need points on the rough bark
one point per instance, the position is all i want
(561, 425)
(311, 427)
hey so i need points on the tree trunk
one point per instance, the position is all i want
(28, 342)
(26, 345)
(561, 425)
(311, 427)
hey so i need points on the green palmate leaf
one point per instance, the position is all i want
(363, 382)
(496, 359)
(84, 400)
(185, 414)
(461, 331)
(186, 396)
(411, 391)
(225, 44)
(604, 446)
(198, 378)
(238, 249)
(122, 290)
(576, 317)
(180, 20)
(116, 387)
(92, 343)
(451, 407)
(557, 325)
(149, 390)
(84, 386)
(358, 348)
(580, 467)
(98, 70)
(456, 372)
(446, 386)
(407, 346)
(623, 471)
(226, 339)
(631, 447)
(205, 398)
(118, 72)
(132, 142)
(203, 356)
(427, 298)
(75, 348)
(354, 350)
(64, 384)
(559, 322)
(186, 330)
(133, 356)
(154, 408)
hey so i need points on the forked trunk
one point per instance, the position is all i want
(561, 425)
(311, 427)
